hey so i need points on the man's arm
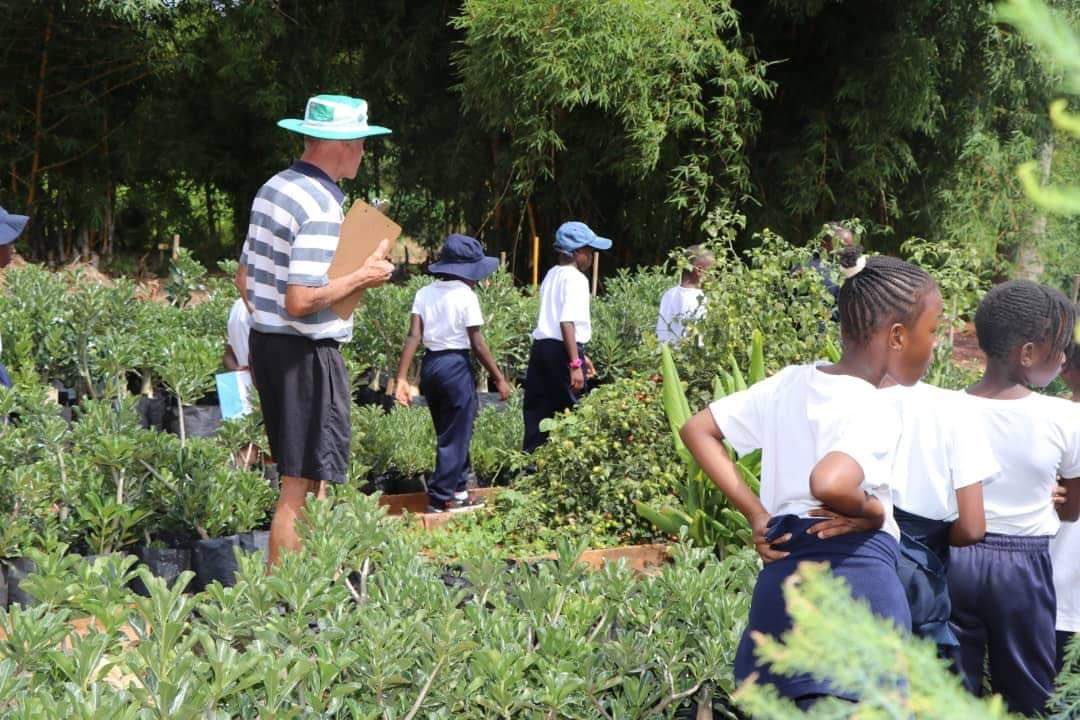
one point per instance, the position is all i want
(301, 300)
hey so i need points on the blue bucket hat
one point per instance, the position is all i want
(11, 226)
(334, 117)
(574, 235)
(463, 256)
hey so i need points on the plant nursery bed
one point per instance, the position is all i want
(416, 504)
(83, 625)
(645, 559)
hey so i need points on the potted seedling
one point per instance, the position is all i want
(110, 525)
(222, 506)
(187, 368)
(12, 533)
(236, 502)
(187, 276)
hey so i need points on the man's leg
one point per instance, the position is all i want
(290, 504)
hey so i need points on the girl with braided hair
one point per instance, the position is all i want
(1002, 588)
(828, 438)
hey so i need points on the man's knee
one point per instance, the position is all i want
(294, 491)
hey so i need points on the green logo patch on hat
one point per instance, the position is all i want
(320, 112)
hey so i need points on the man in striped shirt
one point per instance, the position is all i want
(304, 389)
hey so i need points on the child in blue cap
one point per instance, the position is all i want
(557, 361)
(446, 317)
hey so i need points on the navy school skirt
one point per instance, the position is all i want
(923, 570)
(867, 562)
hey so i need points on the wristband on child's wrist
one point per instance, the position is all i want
(575, 364)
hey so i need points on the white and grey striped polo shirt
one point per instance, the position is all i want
(292, 237)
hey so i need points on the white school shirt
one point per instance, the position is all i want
(798, 416)
(678, 306)
(448, 309)
(1036, 439)
(238, 328)
(564, 297)
(940, 450)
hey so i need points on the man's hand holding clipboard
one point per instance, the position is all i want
(367, 236)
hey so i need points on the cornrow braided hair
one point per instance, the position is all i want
(1021, 311)
(882, 291)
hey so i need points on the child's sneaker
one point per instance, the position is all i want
(454, 506)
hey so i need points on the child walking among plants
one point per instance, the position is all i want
(557, 361)
(1002, 588)
(1065, 547)
(446, 317)
(828, 438)
(685, 301)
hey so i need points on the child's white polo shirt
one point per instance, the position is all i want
(564, 297)
(448, 308)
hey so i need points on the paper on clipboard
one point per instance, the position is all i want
(234, 393)
(361, 232)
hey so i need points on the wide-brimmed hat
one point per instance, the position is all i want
(334, 117)
(463, 256)
(574, 235)
(11, 226)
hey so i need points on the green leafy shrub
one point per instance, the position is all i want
(371, 629)
(611, 450)
(771, 289)
(838, 639)
(509, 318)
(497, 437)
(624, 322)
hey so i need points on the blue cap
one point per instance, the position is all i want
(574, 235)
(463, 256)
(11, 226)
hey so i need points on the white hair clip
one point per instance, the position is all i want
(851, 272)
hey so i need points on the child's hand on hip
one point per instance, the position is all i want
(836, 524)
(765, 548)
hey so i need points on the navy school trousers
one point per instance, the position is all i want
(866, 561)
(547, 387)
(923, 570)
(449, 386)
(1003, 601)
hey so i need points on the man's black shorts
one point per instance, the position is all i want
(305, 396)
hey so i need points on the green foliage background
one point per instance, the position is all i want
(133, 120)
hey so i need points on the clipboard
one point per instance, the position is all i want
(363, 229)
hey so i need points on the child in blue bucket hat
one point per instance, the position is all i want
(446, 317)
(558, 364)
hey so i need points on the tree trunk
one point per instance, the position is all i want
(110, 192)
(211, 213)
(1029, 260)
(39, 104)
